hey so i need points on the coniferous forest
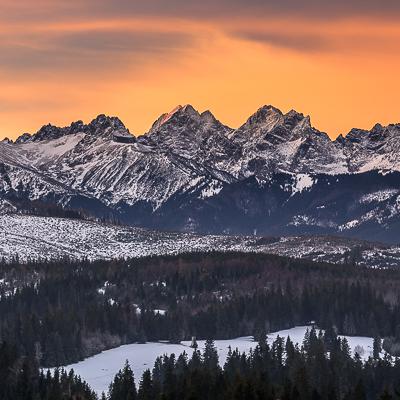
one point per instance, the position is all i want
(54, 313)
(278, 370)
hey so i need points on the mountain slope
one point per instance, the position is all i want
(276, 174)
(55, 238)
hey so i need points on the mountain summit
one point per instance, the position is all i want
(101, 126)
(273, 175)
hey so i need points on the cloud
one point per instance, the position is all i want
(294, 41)
(86, 50)
(348, 38)
(123, 41)
(28, 44)
(63, 60)
(206, 9)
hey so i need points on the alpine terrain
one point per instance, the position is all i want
(274, 175)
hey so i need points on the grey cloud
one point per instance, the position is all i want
(123, 41)
(257, 8)
(102, 50)
(209, 9)
(87, 50)
(299, 42)
(314, 42)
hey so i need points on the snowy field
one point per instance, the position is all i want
(35, 238)
(100, 369)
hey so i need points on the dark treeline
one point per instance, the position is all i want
(61, 312)
(322, 368)
(21, 379)
(51, 209)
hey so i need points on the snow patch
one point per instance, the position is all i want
(378, 196)
(349, 225)
(98, 371)
(302, 182)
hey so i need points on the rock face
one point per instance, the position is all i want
(276, 174)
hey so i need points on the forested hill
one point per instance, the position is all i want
(64, 311)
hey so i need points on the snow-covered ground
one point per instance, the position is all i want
(30, 237)
(53, 238)
(100, 369)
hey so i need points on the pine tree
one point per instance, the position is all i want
(386, 395)
(359, 392)
(377, 348)
(123, 386)
(194, 344)
(210, 355)
(330, 338)
(146, 388)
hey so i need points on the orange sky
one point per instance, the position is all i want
(62, 61)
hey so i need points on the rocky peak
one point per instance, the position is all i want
(265, 116)
(48, 132)
(270, 124)
(179, 116)
(363, 137)
(23, 138)
(186, 132)
(208, 118)
(340, 140)
(355, 135)
(101, 126)
(185, 122)
(294, 119)
(102, 122)
(108, 127)
(76, 127)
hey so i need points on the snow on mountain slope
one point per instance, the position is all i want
(273, 141)
(89, 160)
(198, 137)
(190, 168)
(33, 238)
(377, 149)
(40, 237)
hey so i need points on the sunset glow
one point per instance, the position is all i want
(64, 61)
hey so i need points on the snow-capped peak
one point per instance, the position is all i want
(175, 116)
(265, 116)
(269, 122)
(101, 126)
(186, 150)
(166, 117)
(294, 119)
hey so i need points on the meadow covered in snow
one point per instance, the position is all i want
(100, 369)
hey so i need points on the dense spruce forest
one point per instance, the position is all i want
(57, 312)
(321, 368)
(64, 311)
(21, 379)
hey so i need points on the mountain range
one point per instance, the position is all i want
(274, 175)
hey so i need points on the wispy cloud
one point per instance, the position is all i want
(83, 50)
(299, 42)
(206, 9)
(72, 59)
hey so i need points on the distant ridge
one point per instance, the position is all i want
(275, 174)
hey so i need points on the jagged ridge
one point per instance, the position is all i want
(191, 172)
